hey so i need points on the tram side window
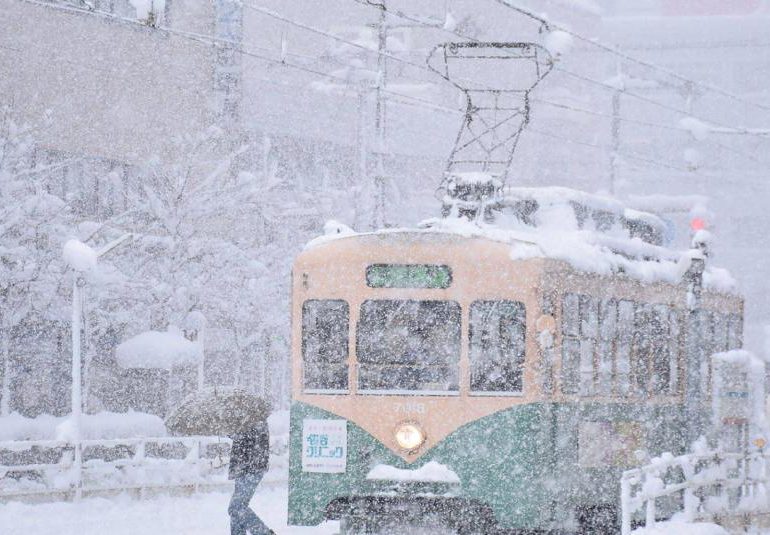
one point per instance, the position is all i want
(675, 349)
(734, 332)
(642, 347)
(655, 350)
(570, 354)
(721, 324)
(618, 347)
(497, 346)
(660, 356)
(325, 344)
(624, 341)
(608, 330)
(705, 326)
(406, 345)
(589, 329)
(580, 328)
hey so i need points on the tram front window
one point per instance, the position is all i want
(325, 344)
(406, 345)
(497, 331)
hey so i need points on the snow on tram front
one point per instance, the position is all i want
(464, 378)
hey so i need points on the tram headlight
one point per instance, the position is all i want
(409, 436)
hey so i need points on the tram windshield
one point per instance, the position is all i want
(407, 345)
(325, 344)
(497, 334)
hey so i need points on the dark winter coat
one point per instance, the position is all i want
(250, 451)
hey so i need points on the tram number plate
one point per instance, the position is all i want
(324, 446)
(409, 407)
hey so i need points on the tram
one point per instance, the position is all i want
(479, 379)
(469, 376)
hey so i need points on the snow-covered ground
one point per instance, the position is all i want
(681, 528)
(195, 515)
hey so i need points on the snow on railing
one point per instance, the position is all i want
(707, 485)
(47, 466)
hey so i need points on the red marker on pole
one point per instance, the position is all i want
(698, 224)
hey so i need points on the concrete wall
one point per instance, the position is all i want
(110, 88)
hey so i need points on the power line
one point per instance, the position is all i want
(649, 163)
(402, 15)
(607, 115)
(318, 31)
(214, 41)
(724, 128)
(653, 102)
(647, 123)
(604, 85)
(627, 57)
(604, 147)
(623, 154)
(422, 67)
(459, 113)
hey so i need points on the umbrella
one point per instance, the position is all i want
(217, 411)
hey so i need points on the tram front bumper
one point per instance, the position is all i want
(466, 515)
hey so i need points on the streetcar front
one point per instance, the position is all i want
(402, 343)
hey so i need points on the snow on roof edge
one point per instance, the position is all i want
(584, 250)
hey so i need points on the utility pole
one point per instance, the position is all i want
(615, 132)
(378, 216)
(5, 399)
(5, 334)
(363, 165)
(695, 385)
(76, 399)
(79, 267)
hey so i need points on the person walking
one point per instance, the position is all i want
(248, 463)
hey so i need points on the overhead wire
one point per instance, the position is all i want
(622, 154)
(215, 41)
(627, 57)
(330, 35)
(651, 101)
(421, 22)
(727, 128)
(607, 115)
(400, 14)
(608, 86)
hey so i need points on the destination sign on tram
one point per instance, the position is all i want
(408, 276)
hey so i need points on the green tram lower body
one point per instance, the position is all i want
(521, 469)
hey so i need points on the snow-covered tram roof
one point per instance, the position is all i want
(591, 233)
(589, 211)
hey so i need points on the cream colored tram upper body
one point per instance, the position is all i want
(491, 266)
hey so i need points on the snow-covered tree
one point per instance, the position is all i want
(33, 226)
(202, 245)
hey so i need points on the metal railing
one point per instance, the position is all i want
(48, 467)
(704, 486)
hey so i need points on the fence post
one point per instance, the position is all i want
(127, 472)
(649, 521)
(77, 467)
(625, 506)
(196, 454)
